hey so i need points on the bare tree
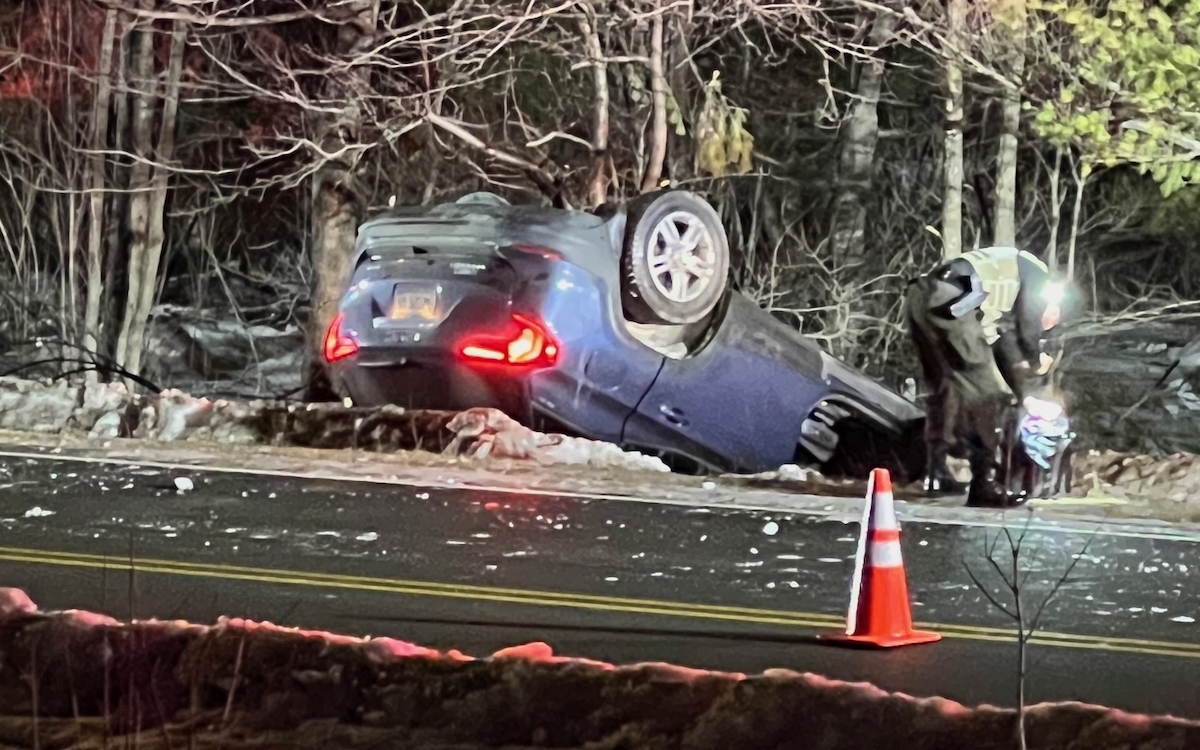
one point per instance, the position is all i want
(150, 183)
(859, 134)
(1013, 568)
(336, 199)
(598, 180)
(96, 183)
(1081, 170)
(1056, 203)
(952, 229)
(1010, 18)
(658, 89)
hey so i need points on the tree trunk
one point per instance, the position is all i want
(75, 207)
(952, 228)
(160, 182)
(336, 199)
(116, 229)
(598, 180)
(1012, 29)
(139, 183)
(856, 163)
(1055, 211)
(658, 87)
(1082, 172)
(95, 183)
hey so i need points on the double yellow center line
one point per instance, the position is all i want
(802, 620)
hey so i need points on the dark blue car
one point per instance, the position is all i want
(528, 309)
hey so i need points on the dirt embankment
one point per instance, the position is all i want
(79, 680)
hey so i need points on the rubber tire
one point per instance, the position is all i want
(641, 300)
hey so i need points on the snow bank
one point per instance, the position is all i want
(490, 432)
(107, 411)
(239, 683)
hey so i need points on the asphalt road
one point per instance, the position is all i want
(602, 578)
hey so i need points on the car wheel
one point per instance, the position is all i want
(676, 258)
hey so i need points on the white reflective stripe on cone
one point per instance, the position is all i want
(860, 554)
(885, 512)
(886, 555)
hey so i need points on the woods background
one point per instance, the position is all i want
(173, 170)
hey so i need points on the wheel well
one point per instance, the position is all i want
(665, 338)
(865, 443)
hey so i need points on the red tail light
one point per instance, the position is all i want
(338, 345)
(528, 345)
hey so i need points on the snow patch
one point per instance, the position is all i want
(483, 433)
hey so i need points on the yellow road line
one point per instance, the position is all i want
(575, 601)
(335, 580)
(633, 606)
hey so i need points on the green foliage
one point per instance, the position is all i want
(722, 139)
(675, 114)
(1177, 216)
(638, 90)
(1129, 86)
(633, 79)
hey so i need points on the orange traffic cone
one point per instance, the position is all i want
(879, 614)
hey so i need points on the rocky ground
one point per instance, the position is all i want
(477, 446)
(74, 680)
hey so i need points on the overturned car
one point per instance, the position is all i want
(615, 325)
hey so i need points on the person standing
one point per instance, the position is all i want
(979, 323)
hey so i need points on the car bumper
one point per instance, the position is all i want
(452, 386)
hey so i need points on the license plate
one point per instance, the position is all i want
(414, 304)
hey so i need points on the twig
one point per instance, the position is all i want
(237, 673)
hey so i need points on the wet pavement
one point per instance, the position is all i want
(641, 564)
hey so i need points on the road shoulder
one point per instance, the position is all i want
(429, 470)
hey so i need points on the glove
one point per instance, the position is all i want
(1045, 362)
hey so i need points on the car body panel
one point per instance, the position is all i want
(740, 400)
(602, 373)
(585, 240)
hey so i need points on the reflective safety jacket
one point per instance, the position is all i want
(1003, 288)
(1003, 272)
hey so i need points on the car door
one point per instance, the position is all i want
(739, 402)
(602, 374)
